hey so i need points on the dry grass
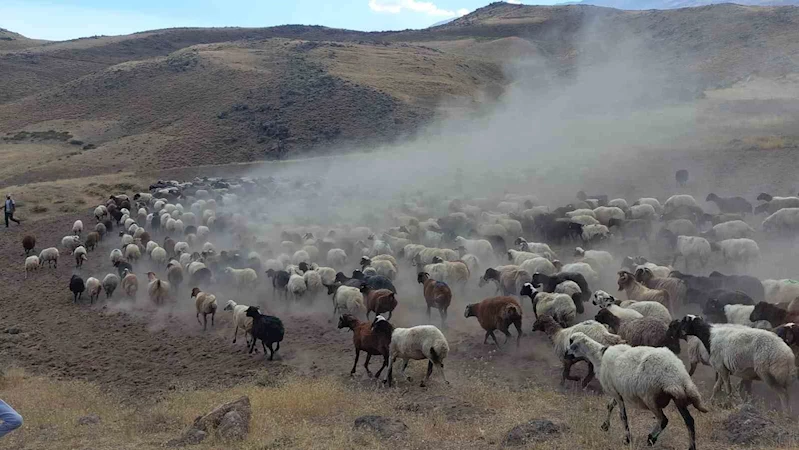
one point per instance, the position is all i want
(300, 412)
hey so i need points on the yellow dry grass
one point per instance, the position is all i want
(309, 412)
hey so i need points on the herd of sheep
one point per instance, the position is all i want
(450, 248)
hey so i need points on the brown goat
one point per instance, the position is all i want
(437, 295)
(676, 287)
(497, 313)
(379, 301)
(365, 340)
(773, 313)
(28, 243)
(637, 291)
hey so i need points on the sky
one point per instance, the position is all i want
(69, 19)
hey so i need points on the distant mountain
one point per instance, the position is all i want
(674, 4)
(443, 22)
(15, 41)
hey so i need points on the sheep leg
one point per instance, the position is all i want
(625, 421)
(392, 360)
(355, 364)
(606, 424)
(428, 313)
(252, 346)
(518, 325)
(491, 333)
(389, 314)
(212, 318)
(235, 334)
(443, 313)
(693, 368)
(659, 426)
(507, 336)
(429, 371)
(366, 364)
(385, 363)
(782, 391)
(198, 318)
(689, 423)
(589, 376)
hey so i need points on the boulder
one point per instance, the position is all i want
(534, 431)
(386, 427)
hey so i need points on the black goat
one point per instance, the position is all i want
(77, 287)
(269, 329)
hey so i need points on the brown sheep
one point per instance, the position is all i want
(366, 340)
(637, 291)
(169, 246)
(379, 301)
(145, 238)
(437, 295)
(790, 334)
(130, 284)
(28, 243)
(157, 290)
(676, 287)
(91, 240)
(497, 313)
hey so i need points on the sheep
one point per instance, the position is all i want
(676, 288)
(448, 272)
(559, 337)
(130, 284)
(584, 269)
(584, 220)
(777, 203)
(182, 247)
(517, 257)
(730, 205)
(749, 285)
(594, 233)
(581, 212)
(157, 290)
(280, 280)
(240, 319)
(296, 286)
(77, 228)
(782, 222)
(478, 247)
(28, 244)
(269, 329)
(689, 247)
(77, 286)
(538, 248)
(132, 252)
(336, 257)
(605, 213)
(174, 274)
(607, 301)
(31, 264)
(201, 277)
(745, 352)
(364, 339)
(94, 287)
(159, 255)
(205, 303)
(70, 243)
(508, 279)
(382, 267)
(379, 301)
(126, 240)
(569, 288)
(644, 331)
(549, 283)
(313, 282)
(637, 291)
(743, 251)
(437, 294)
(654, 310)
(734, 229)
(642, 377)
(774, 314)
(419, 342)
(537, 265)
(597, 259)
(643, 211)
(780, 291)
(100, 212)
(301, 256)
(49, 255)
(718, 312)
(110, 283)
(679, 200)
(560, 307)
(80, 256)
(497, 313)
(681, 227)
(242, 278)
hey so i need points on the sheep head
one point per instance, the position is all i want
(421, 277)
(625, 279)
(347, 321)
(602, 299)
(194, 292)
(229, 305)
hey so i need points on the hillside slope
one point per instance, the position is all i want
(673, 4)
(15, 41)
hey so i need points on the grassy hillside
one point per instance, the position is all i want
(15, 41)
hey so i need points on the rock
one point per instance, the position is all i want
(749, 426)
(192, 436)
(233, 427)
(386, 427)
(212, 420)
(452, 408)
(91, 419)
(12, 330)
(537, 430)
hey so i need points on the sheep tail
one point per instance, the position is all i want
(689, 394)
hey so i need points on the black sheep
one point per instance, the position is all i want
(201, 277)
(280, 279)
(77, 287)
(122, 266)
(730, 205)
(749, 285)
(682, 177)
(269, 329)
(720, 296)
(155, 224)
(374, 282)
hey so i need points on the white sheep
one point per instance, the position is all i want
(478, 247)
(296, 286)
(274, 265)
(151, 245)
(682, 227)
(558, 306)
(336, 257)
(182, 247)
(243, 278)
(126, 240)
(734, 229)
(31, 264)
(651, 309)
(110, 283)
(641, 377)
(100, 212)
(80, 255)
(70, 243)
(540, 248)
(419, 342)
(581, 212)
(383, 267)
(780, 291)
(653, 202)
(350, 300)
(599, 260)
(159, 255)
(747, 353)
(93, 288)
(448, 272)
(568, 287)
(584, 220)
(619, 203)
(584, 269)
(539, 265)
(194, 266)
(132, 252)
(678, 200)
(593, 233)
(301, 256)
(692, 248)
(77, 227)
(741, 251)
(739, 315)
(49, 255)
(605, 213)
(208, 248)
(607, 301)
(240, 319)
(313, 282)
(116, 256)
(641, 212)
(184, 260)
(517, 257)
(777, 203)
(785, 220)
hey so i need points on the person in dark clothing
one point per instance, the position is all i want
(9, 208)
